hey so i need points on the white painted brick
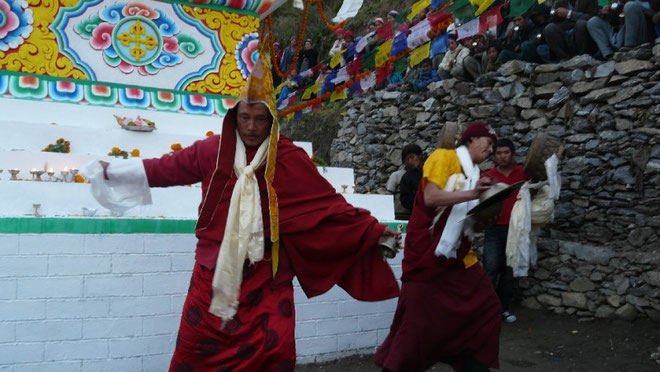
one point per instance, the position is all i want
(114, 243)
(140, 263)
(336, 326)
(7, 331)
(68, 366)
(78, 265)
(113, 285)
(52, 244)
(22, 266)
(8, 244)
(166, 283)
(316, 345)
(22, 310)
(156, 363)
(111, 328)
(387, 306)
(351, 308)
(113, 365)
(141, 346)
(160, 325)
(305, 329)
(81, 349)
(374, 322)
(177, 303)
(170, 243)
(382, 335)
(49, 330)
(77, 308)
(21, 353)
(152, 305)
(6, 368)
(183, 262)
(50, 287)
(7, 289)
(357, 340)
(308, 311)
(334, 294)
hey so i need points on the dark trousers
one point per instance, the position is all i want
(494, 260)
(567, 39)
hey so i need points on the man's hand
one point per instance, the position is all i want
(385, 241)
(483, 184)
(561, 12)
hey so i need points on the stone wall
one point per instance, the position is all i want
(600, 257)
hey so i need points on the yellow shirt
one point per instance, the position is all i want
(441, 164)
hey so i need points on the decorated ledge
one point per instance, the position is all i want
(33, 225)
(24, 86)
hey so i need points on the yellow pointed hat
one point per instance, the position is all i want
(259, 89)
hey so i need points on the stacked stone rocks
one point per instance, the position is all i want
(601, 255)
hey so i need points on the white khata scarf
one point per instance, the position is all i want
(244, 233)
(456, 224)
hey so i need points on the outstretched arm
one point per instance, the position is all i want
(181, 168)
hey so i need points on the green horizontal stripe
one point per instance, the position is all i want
(91, 225)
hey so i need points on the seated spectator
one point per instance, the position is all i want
(411, 157)
(611, 33)
(393, 16)
(339, 43)
(425, 77)
(292, 81)
(452, 63)
(480, 63)
(524, 37)
(349, 39)
(567, 34)
(308, 57)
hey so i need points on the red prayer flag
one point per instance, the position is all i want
(436, 17)
(383, 73)
(354, 67)
(490, 18)
(385, 32)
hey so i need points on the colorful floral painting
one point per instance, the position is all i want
(15, 23)
(247, 53)
(135, 36)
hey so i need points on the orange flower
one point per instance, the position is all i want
(135, 153)
(210, 134)
(79, 179)
(176, 147)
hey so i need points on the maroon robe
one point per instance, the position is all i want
(324, 241)
(445, 312)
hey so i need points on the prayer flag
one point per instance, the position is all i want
(400, 65)
(307, 94)
(306, 73)
(436, 17)
(439, 44)
(349, 8)
(419, 34)
(353, 68)
(363, 42)
(385, 32)
(399, 44)
(491, 19)
(342, 76)
(298, 4)
(382, 73)
(436, 3)
(369, 60)
(337, 58)
(468, 29)
(419, 54)
(327, 84)
(350, 52)
(338, 95)
(355, 88)
(484, 4)
(417, 7)
(297, 115)
(382, 54)
(279, 87)
(520, 7)
(368, 82)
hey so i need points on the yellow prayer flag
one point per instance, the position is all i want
(337, 58)
(420, 54)
(483, 6)
(383, 53)
(338, 95)
(307, 94)
(418, 7)
(290, 116)
(279, 87)
(541, 1)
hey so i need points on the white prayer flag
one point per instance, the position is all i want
(348, 10)
(468, 29)
(419, 34)
(368, 82)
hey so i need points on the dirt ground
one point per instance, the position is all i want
(541, 341)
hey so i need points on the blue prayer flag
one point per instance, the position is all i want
(439, 44)
(436, 3)
(399, 44)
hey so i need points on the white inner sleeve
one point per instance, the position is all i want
(126, 188)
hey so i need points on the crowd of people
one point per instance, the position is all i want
(551, 32)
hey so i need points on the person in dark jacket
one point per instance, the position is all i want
(567, 34)
(524, 37)
(426, 76)
(308, 57)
